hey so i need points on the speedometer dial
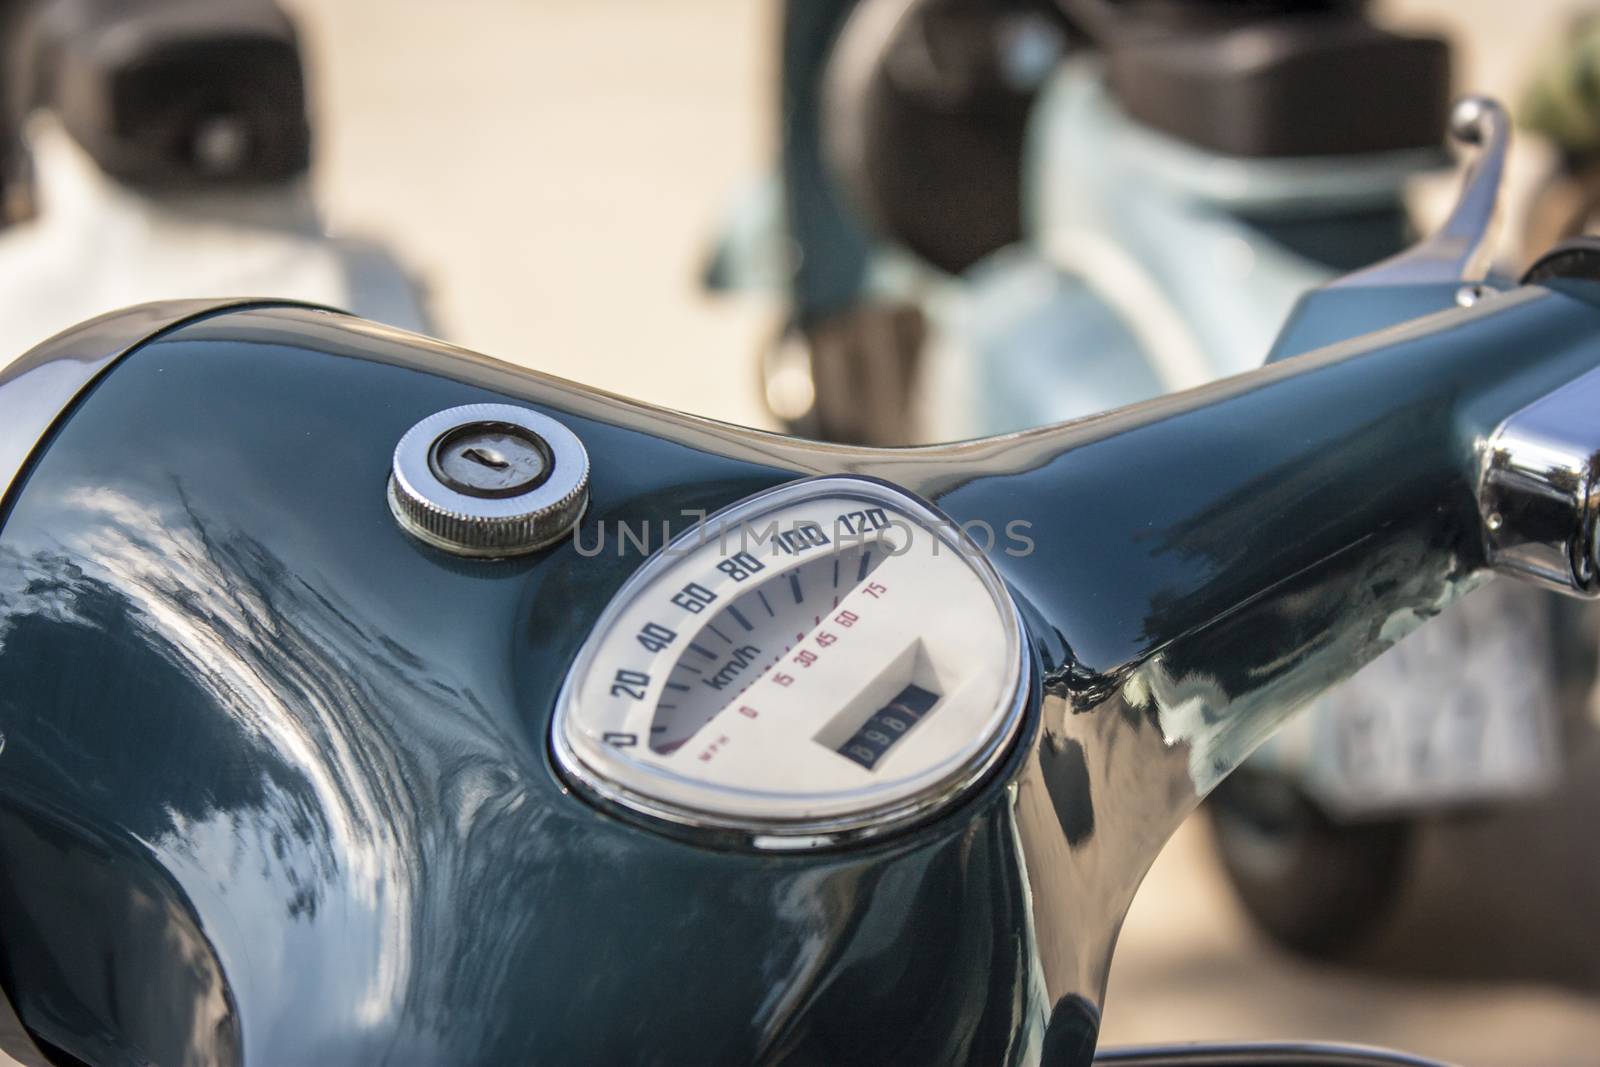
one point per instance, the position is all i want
(825, 660)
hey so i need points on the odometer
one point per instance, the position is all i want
(827, 659)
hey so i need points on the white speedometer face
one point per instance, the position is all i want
(827, 659)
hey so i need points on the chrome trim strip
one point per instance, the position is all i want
(39, 387)
(1260, 1054)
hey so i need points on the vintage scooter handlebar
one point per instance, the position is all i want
(277, 782)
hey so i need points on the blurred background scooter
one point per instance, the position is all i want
(158, 147)
(996, 215)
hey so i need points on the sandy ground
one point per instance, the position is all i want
(556, 171)
(1190, 967)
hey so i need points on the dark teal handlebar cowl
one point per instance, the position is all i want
(275, 784)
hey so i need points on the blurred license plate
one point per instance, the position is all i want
(1462, 710)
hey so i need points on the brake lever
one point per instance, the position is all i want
(1444, 270)
(1461, 249)
(1540, 476)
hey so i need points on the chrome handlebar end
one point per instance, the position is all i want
(1539, 494)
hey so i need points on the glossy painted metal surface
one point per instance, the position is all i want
(39, 386)
(276, 784)
(298, 761)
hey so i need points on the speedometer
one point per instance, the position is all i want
(825, 660)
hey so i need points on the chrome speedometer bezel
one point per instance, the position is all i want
(615, 781)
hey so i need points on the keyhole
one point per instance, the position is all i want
(488, 457)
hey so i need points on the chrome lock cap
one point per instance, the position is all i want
(489, 480)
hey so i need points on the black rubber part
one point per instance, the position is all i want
(941, 130)
(1279, 79)
(140, 83)
(1576, 258)
(1317, 887)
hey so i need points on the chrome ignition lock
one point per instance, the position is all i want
(489, 480)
